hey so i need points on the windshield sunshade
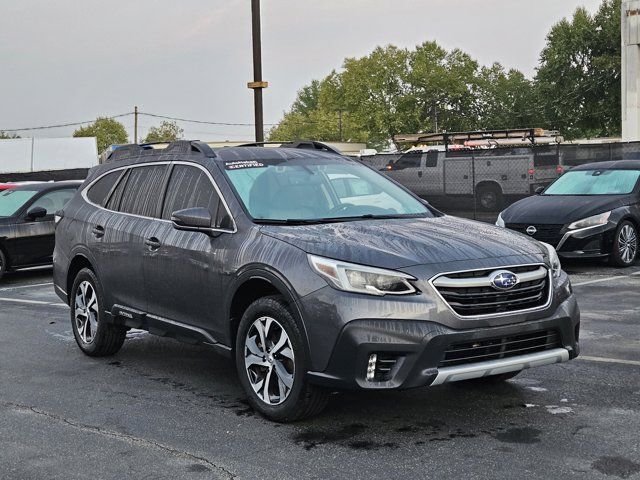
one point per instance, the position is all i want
(595, 182)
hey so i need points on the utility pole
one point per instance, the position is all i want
(135, 124)
(630, 70)
(258, 84)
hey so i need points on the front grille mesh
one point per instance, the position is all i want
(486, 300)
(548, 233)
(501, 347)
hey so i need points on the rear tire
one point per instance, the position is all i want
(270, 354)
(93, 334)
(489, 197)
(625, 245)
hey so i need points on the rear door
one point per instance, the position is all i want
(134, 205)
(35, 239)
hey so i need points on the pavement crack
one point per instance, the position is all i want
(118, 435)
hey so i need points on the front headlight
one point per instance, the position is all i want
(554, 260)
(594, 221)
(362, 279)
(500, 221)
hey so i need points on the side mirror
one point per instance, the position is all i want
(195, 219)
(36, 212)
(539, 190)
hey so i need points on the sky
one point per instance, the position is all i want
(73, 60)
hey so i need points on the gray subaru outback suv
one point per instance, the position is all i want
(311, 270)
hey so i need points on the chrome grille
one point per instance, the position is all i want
(500, 347)
(471, 294)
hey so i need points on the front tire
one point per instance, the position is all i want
(93, 335)
(625, 245)
(272, 362)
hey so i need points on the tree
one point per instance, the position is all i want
(107, 132)
(578, 79)
(8, 135)
(165, 132)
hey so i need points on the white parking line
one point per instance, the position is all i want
(599, 280)
(33, 285)
(609, 360)
(33, 302)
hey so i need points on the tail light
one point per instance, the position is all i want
(560, 169)
(531, 171)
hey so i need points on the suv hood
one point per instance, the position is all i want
(560, 209)
(398, 243)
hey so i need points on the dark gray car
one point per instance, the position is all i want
(311, 270)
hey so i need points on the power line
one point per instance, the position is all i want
(177, 119)
(73, 124)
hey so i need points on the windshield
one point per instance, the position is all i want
(595, 182)
(315, 190)
(12, 200)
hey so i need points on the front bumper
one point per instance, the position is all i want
(420, 346)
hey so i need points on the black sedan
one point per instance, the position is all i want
(592, 211)
(27, 226)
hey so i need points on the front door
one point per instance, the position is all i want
(183, 269)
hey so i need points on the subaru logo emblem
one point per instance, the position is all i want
(504, 280)
(531, 230)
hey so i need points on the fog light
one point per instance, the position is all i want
(371, 368)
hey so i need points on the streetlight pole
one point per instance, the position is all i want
(258, 84)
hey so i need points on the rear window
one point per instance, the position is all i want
(99, 192)
(142, 192)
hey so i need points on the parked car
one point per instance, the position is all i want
(592, 211)
(255, 252)
(27, 223)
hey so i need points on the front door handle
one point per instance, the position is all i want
(152, 243)
(98, 231)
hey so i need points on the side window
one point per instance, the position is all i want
(142, 191)
(116, 196)
(408, 160)
(432, 158)
(54, 201)
(99, 191)
(191, 187)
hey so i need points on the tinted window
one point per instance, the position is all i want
(432, 158)
(408, 160)
(54, 201)
(116, 196)
(142, 191)
(100, 190)
(190, 187)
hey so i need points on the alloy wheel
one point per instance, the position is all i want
(269, 360)
(86, 311)
(627, 243)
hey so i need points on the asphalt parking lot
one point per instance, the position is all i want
(162, 409)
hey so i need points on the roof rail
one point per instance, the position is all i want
(302, 144)
(178, 146)
(126, 151)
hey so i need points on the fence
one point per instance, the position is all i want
(478, 184)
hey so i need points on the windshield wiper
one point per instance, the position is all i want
(316, 221)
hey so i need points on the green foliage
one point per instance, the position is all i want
(107, 132)
(426, 89)
(166, 132)
(395, 90)
(579, 75)
(8, 135)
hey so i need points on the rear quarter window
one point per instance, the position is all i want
(99, 192)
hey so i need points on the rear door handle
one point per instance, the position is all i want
(420, 173)
(98, 231)
(152, 243)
